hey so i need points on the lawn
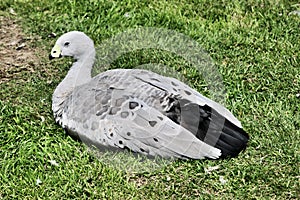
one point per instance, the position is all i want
(255, 46)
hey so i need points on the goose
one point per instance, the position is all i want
(139, 110)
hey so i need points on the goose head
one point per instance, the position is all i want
(74, 44)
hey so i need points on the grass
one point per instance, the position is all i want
(255, 45)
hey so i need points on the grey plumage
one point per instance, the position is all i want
(140, 110)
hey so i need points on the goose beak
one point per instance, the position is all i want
(55, 52)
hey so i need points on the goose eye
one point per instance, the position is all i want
(66, 44)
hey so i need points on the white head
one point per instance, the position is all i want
(74, 44)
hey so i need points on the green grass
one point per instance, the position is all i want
(255, 45)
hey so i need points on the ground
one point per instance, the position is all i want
(255, 46)
(16, 55)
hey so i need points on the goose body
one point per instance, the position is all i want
(140, 110)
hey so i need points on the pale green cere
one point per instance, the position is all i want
(55, 52)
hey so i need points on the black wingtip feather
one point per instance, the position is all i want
(231, 140)
(212, 127)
